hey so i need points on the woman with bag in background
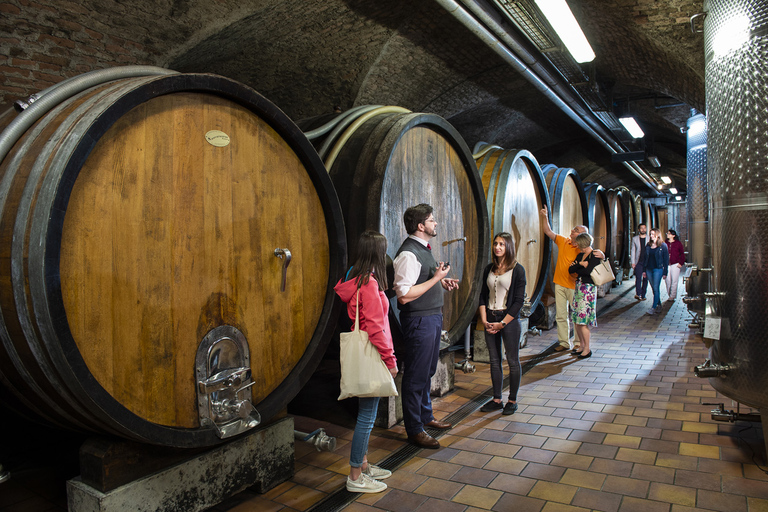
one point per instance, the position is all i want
(501, 297)
(676, 263)
(656, 267)
(363, 291)
(584, 305)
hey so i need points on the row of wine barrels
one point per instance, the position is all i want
(515, 192)
(128, 236)
(662, 220)
(621, 217)
(568, 206)
(646, 213)
(392, 161)
(598, 211)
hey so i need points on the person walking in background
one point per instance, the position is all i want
(676, 263)
(655, 267)
(363, 290)
(584, 313)
(421, 317)
(501, 298)
(637, 257)
(564, 283)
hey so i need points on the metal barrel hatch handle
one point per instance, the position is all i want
(285, 255)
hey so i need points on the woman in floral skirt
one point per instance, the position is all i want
(584, 305)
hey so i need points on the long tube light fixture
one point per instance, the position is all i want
(632, 127)
(561, 18)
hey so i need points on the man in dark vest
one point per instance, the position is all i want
(421, 317)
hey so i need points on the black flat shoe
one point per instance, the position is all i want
(492, 406)
(575, 351)
(509, 408)
(584, 356)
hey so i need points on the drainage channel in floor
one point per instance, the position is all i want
(342, 497)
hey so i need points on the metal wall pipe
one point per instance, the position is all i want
(507, 46)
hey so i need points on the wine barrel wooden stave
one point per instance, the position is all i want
(397, 160)
(568, 206)
(621, 222)
(515, 191)
(598, 212)
(662, 214)
(131, 237)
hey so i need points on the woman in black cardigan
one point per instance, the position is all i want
(501, 298)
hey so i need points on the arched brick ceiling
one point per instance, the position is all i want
(311, 55)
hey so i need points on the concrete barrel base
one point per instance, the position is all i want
(260, 461)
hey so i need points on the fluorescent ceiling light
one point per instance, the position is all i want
(654, 160)
(678, 198)
(561, 18)
(632, 127)
(666, 179)
(673, 190)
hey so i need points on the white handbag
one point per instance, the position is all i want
(363, 373)
(603, 273)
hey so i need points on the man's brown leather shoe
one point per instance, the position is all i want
(439, 425)
(424, 440)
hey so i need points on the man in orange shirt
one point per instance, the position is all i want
(564, 282)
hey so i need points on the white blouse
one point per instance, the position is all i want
(499, 287)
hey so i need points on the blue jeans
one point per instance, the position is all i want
(366, 415)
(641, 283)
(422, 350)
(510, 335)
(654, 277)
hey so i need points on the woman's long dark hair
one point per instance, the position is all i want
(510, 254)
(371, 257)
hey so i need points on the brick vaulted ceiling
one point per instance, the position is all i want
(309, 56)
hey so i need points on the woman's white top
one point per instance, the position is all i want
(499, 287)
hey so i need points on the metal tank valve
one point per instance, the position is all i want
(318, 438)
(465, 365)
(708, 370)
(720, 414)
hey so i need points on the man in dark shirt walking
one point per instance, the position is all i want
(637, 256)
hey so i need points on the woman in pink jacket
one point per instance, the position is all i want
(368, 275)
(676, 263)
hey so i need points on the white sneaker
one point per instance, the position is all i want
(365, 484)
(651, 311)
(376, 472)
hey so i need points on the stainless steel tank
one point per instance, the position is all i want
(736, 78)
(699, 251)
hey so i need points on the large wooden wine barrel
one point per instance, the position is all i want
(621, 222)
(653, 215)
(396, 160)
(515, 191)
(568, 206)
(598, 213)
(645, 213)
(662, 214)
(141, 215)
